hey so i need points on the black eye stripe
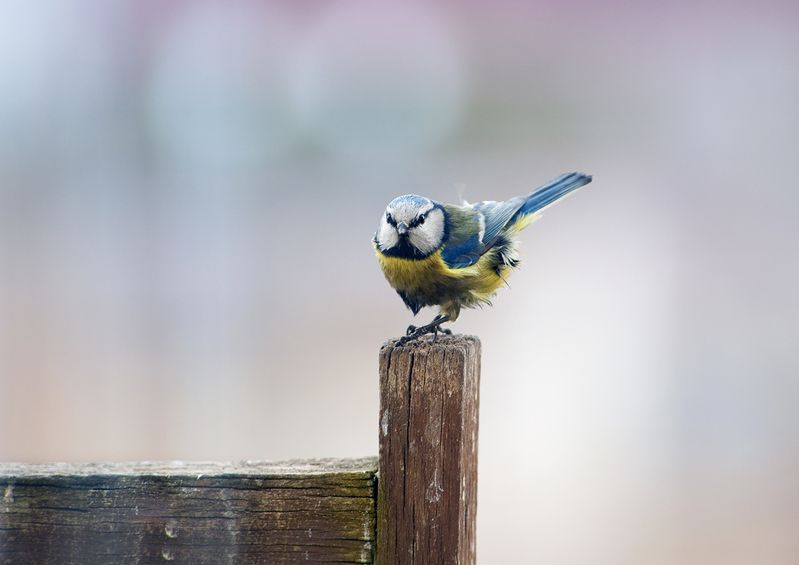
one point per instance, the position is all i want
(417, 221)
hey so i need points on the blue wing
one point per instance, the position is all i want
(458, 255)
(497, 215)
(475, 228)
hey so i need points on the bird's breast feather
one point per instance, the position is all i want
(413, 275)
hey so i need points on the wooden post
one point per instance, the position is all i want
(427, 485)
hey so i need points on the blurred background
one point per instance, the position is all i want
(188, 190)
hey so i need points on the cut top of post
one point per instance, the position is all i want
(446, 341)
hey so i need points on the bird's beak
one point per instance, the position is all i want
(402, 228)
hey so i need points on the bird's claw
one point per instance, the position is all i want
(415, 333)
(433, 327)
(437, 330)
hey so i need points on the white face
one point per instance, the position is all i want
(411, 220)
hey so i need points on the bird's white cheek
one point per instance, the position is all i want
(418, 240)
(428, 237)
(387, 236)
(425, 240)
(422, 241)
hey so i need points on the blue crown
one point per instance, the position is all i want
(409, 200)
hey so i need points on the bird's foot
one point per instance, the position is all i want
(438, 329)
(415, 334)
(433, 327)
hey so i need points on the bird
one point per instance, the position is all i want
(457, 256)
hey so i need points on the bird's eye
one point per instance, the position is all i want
(389, 219)
(420, 220)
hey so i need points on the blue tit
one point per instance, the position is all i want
(457, 256)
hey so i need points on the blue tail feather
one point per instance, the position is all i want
(553, 191)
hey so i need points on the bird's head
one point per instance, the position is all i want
(412, 227)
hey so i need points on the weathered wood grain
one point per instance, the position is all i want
(299, 511)
(427, 492)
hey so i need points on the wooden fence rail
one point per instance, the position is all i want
(420, 508)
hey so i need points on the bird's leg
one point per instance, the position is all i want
(410, 329)
(438, 328)
(432, 327)
(436, 325)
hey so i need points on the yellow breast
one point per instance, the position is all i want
(414, 275)
(433, 282)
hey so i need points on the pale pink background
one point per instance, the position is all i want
(187, 196)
